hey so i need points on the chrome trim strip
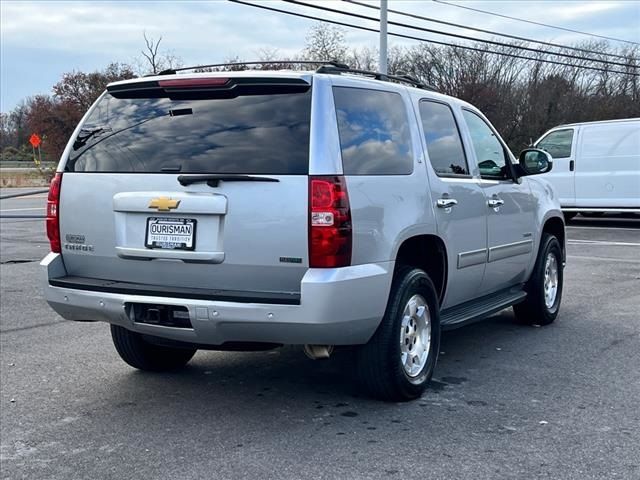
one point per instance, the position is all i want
(459, 180)
(474, 257)
(184, 255)
(510, 250)
(477, 181)
(603, 209)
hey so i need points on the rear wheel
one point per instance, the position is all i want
(143, 355)
(398, 362)
(544, 289)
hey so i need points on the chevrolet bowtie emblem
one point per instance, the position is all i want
(164, 204)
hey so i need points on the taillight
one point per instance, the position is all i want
(329, 222)
(53, 213)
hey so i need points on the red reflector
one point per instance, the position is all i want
(329, 222)
(194, 82)
(53, 213)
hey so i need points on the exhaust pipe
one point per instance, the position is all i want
(318, 352)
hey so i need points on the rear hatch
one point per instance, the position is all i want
(191, 185)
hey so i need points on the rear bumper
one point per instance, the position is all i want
(339, 306)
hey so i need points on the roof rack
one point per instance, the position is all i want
(401, 77)
(172, 71)
(326, 66)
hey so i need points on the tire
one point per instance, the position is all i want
(541, 306)
(138, 353)
(380, 368)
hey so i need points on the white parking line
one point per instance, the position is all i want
(602, 242)
(602, 228)
(21, 209)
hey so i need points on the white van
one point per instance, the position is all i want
(596, 166)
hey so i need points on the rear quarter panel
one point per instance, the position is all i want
(388, 209)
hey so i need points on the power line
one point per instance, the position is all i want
(456, 35)
(535, 23)
(475, 29)
(411, 37)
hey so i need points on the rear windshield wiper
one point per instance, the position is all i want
(214, 180)
(86, 134)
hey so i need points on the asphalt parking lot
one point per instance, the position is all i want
(507, 401)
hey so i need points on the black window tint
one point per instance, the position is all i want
(260, 134)
(374, 132)
(444, 144)
(490, 154)
(557, 143)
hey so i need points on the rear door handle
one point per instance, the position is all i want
(572, 165)
(495, 202)
(446, 202)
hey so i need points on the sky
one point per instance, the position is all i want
(39, 41)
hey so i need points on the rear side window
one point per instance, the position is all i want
(374, 132)
(444, 144)
(558, 143)
(259, 134)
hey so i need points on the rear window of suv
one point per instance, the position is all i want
(374, 132)
(257, 134)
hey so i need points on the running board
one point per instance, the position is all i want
(474, 310)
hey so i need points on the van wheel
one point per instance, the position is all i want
(544, 289)
(398, 361)
(143, 355)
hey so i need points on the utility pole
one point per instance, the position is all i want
(383, 37)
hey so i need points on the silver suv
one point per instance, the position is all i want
(246, 210)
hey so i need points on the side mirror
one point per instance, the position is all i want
(534, 161)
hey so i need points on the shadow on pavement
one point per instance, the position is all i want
(276, 380)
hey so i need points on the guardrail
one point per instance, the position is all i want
(23, 194)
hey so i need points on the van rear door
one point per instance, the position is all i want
(191, 187)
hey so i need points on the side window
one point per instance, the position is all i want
(374, 132)
(491, 156)
(444, 144)
(558, 143)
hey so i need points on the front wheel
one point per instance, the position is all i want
(398, 361)
(544, 289)
(140, 354)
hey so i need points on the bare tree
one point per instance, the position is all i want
(325, 42)
(151, 53)
(153, 59)
(365, 58)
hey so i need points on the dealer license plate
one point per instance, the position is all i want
(171, 233)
